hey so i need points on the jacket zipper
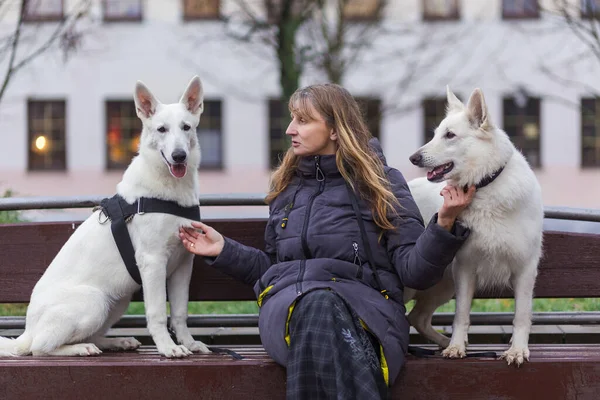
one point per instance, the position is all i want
(357, 261)
(321, 179)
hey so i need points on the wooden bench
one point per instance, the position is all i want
(570, 268)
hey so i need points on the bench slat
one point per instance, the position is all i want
(569, 268)
(566, 372)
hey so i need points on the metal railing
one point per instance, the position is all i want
(236, 199)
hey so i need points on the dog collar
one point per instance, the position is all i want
(489, 179)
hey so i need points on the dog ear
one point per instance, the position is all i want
(193, 97)
(454, 104)
(478, 112)
(145, 102)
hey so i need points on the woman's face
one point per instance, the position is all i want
(310, 134)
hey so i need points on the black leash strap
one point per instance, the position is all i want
(424, 353)
(120, 212)
(363, 233)
(220, 350)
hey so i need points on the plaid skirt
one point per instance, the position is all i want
(331, 356)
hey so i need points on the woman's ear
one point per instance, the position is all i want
(333, 135)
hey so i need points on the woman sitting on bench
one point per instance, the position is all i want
(344, 237)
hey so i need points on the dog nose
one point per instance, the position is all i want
(416, 158)
(179, 156)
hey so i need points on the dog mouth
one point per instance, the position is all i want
(438, 173)
(178, 170)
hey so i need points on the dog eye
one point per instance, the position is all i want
(162, 129)
(450, 135)
(186, 127)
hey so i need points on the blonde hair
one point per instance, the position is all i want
(357, 162)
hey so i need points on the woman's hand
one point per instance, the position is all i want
(208, 242)
(455, 201)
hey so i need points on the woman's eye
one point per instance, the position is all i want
(162, 129)
(450, 135)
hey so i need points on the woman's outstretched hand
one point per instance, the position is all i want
(207, 242)
(455, 201)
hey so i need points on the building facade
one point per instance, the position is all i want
(70, 128)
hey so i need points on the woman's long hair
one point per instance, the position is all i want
(357, 162)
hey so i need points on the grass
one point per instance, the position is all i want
(250, 307)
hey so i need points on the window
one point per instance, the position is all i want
(520, 9)
(522, 125)
(440, 10)
(201, 9)
(43, 10)
(590, 9)
(122, 10)
(362, 9)
(210, 135)
(46, 131)
(434, 111)
(590, 132)
(371, 110)
(123, 129)
(279, 119)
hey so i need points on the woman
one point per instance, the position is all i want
(348, 341)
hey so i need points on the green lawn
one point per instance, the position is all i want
(250, 307)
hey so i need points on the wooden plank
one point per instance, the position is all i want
(570, 266)
(566, 372)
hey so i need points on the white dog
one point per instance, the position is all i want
(86, 288)
(505, 219)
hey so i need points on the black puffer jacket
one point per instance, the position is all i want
(313, 241)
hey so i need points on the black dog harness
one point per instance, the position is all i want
(120, 212)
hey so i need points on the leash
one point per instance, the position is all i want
(428, 353)
(120, 212)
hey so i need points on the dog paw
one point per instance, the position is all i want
(174, 351)
(85, 349)
(516, 355)
(197, 347)
(454, 351)
(128, 343)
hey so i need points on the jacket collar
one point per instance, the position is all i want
(318, 166)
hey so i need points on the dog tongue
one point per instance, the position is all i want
(178, 170)
(436, 171)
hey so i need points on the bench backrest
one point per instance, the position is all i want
(570, 266)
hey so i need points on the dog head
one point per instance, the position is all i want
(466, 146)
(169, 130)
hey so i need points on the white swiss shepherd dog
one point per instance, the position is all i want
(87, 287)
(505, 219)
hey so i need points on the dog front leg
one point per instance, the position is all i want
(523, 286)
(465, 282)
(153, 271)
(179, 287)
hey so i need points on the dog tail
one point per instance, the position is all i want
(15, 347)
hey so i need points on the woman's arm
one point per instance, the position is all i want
(420, 255)
(239, 261)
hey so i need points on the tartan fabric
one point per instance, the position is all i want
(331, 356)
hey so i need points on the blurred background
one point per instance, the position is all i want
(68, 69)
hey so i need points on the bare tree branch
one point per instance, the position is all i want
(64, 34)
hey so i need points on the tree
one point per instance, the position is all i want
(24, 41)
(582, 19)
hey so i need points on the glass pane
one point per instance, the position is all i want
(123, 8)
(123, 133)
(361, 8)
(201, 8)
(41, 8)
(519, 7)
(46, 126)
(440, 8)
